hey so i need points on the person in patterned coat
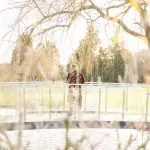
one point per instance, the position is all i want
(75, 79)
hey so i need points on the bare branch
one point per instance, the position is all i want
(6, 9)
(49, 17)
(96, 18)
(139, 24)
(119, 21)
(123, 12)
(38, 8)
(7, 139)
(64, 13)
(91, 2)
(115, 6)
(52, 27)
(144, 17)
(92, 7)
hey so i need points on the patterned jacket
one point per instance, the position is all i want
(75, 78)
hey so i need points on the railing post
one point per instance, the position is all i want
(49, 103)
(147, 103)
(106, 98)
(85, 97)
(24, 104)
(20, 124)
(127, 98)
(123, 103)
(42, 99)
(74, 107)
(64, 97)
(99, 103)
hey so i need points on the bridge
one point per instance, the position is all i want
(31, 106)
(45, 105)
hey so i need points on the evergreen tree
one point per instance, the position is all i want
(85, 53)
(110, 63)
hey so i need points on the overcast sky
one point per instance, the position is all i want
(70, 41)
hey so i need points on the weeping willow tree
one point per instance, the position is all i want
(45, 64)
(22, 58)
(23, 47)
(28, 64)
(48, 62)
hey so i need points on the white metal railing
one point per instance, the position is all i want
(102, 94)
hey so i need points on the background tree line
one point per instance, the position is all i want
(111, 64)
(98, 63)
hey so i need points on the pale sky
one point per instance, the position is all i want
(69, 41)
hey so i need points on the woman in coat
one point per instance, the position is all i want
(75, 79)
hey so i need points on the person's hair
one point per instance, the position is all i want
(73, 65)
(76, 65)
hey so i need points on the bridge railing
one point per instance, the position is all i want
(50, 100)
